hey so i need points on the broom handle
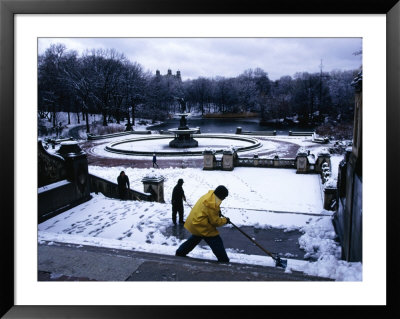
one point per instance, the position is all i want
(251, 239)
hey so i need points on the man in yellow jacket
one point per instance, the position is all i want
(202, 222)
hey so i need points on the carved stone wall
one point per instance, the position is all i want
(348, 218)
(51, 168)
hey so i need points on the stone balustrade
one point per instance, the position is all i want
(304, 163)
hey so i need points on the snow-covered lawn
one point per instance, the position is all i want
(250, 188)
(254, 194)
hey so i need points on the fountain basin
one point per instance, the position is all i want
(183, 138)
(146, 146)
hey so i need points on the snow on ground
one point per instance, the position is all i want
(276, 190)
(141, 226)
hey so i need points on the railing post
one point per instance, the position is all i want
(323, 157)
(255, 157)
(301, 161)
(76, 166)
(154, 185)
(209, 160)
(227, 160)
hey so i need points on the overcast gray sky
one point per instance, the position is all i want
(227, 57)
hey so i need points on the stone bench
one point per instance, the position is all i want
(301, 133)
(99, 137)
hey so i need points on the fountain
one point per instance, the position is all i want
(183, 134)
(183, 143)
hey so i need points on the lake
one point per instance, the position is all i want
(226, 125)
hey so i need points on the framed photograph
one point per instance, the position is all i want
(25, 26)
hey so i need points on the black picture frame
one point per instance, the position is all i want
(8, 9)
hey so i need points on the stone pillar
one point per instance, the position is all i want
(325, 172)
(227, 160)
(329, 195)
(76, 166)
(155, 186)
(323, 157)
(255, 157)
(301, 161)
(209, 159)
(276, 161)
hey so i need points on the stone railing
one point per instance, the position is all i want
(304, 163)
(64, 182)
(275, 162)
(63, 179)
(110, 189)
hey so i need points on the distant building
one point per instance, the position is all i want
(170, 75)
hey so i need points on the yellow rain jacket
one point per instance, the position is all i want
(204, 217)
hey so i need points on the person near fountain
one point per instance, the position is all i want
(123, 185)
(178, 196)
(155, 160)
(202, 222)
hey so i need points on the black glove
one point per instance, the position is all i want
(228, 220)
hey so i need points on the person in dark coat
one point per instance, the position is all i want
(123, 185)
(155, 160)
(178, 195)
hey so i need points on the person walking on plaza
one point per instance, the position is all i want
(155, 160)
(123, 185)
(178, 196)
(202, 221)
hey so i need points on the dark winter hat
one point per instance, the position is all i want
(180, 181)
(221, 192)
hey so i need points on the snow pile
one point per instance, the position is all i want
(329, 266)
(319, 243)
(319, 239)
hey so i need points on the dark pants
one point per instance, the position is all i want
(216, 244)
(155, 164)
(177, 209)
(122, 193)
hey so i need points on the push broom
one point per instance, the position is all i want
(278, 261)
